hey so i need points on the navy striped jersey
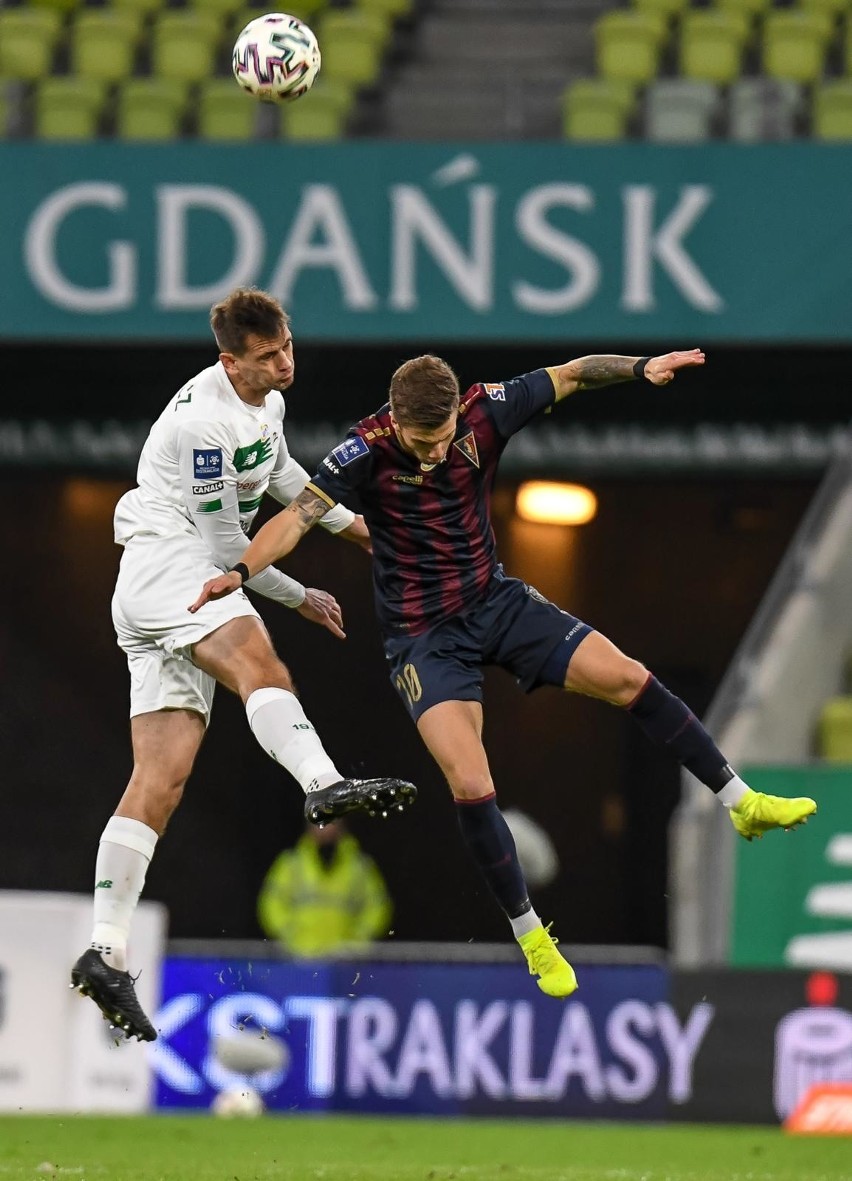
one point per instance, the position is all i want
(433, 544)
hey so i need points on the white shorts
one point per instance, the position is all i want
(157, 580)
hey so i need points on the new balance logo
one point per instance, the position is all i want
(104, 884)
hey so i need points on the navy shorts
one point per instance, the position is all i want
(511, 626)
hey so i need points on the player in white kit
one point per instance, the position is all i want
(214, 451)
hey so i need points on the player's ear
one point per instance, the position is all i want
(229, 362)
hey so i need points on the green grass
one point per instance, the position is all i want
(199, 1148)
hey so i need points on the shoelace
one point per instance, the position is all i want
(539, 956)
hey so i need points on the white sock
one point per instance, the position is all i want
(732, 792)
(525, 923)
(279, 724)
(124, 852)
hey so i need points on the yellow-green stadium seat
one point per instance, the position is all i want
(68, 108)
(597, 109)
(140, 7)
(712, 44)
(628, 45)
(27, 40)
(387, 9)
(306, 10)
(184, 44)
(752, 8)
(834, 730)
(666, 8)
(320, 115)
(103, 44)
(225, 112)
(763, 109)
(223, 9)
(352, 45)
(680, 110)
(832, 114)
(795, 43)
(57, 5)
(150, 108)
(833, 8)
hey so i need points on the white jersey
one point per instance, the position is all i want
(204, 469)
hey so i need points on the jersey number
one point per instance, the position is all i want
(409, 684)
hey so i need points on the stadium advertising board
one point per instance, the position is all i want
(793, 900)
(430, 1038)
(772, 1036)
(369, 241)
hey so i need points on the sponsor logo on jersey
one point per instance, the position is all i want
(251, 456)
(332, 467)
(207, 464)
(353, 448)
(205, 489)
(408, 479)
(467, 445)
(496, 391)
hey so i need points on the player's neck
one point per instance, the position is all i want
(245, 393)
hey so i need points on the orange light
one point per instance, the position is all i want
(556, 504)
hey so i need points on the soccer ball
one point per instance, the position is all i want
(238, 1103)
(276, 57)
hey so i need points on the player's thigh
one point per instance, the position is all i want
(529, 636)
(165, 744)
(240, 655)
(452, 731)
(599, 669)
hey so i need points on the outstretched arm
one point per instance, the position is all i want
(587, 373)
(276, 538)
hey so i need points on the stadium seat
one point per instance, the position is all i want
(224, 10)
(68, 108)
(752, 8)
(665, 8)
(150, 108)
(57, 5)
(628, 45)
(225, 112)
(386, 9)
(322, 116)
(680, 110)
(597, 109)
(352, 44)
(103, 44)
(712, 44)
(795, 43)
(184, 44)
(835, 9)
(27, 41)
(832, 110)
(834, 730)
(305, 10)
(763, 109)
(140, 7)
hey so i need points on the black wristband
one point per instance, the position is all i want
(242, 569)
(639, 368)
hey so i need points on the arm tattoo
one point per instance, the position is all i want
(308, 508)
(603, 370)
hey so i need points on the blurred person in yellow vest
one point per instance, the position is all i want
(324, 894)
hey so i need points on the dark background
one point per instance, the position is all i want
(672, 570)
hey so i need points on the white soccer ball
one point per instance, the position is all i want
(276, 57)
(238, 1103)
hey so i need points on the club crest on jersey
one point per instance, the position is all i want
(353, 448)
(467, 445)
(207, 464)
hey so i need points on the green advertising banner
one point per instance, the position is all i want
(793, 890)
(369, 241)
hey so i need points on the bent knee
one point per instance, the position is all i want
(470, 787)
(634, 674)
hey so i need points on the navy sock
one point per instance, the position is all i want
(668, 722)
(490, 840)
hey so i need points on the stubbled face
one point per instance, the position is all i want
(266, 364)
(430, 447)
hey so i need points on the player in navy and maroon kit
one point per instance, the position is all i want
(423, 468)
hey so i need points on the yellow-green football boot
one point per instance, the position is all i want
(757, 813)
(555, 975)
